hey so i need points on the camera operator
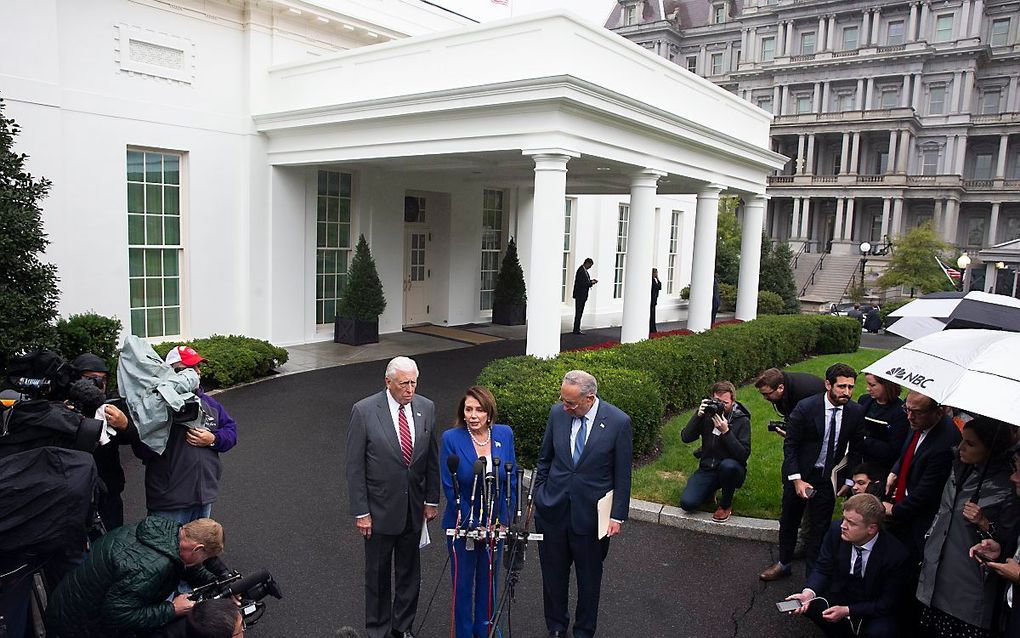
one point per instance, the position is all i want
(784, 390)
(124, 584)
(213, 618)
(724, 427)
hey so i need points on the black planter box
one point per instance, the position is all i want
(510, 315)
(355, 332)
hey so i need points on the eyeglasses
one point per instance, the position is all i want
(917, 410)
(407, 384)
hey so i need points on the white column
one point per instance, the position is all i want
(922, 27)
(795, 222)
(954, 100)
(875, 21)
(706, 223)
(831, 34)
(891, 162)
(801, 161)
(939, 215)
(961, 154)
(905, 93)
(1000, 165)
(546, 250)
(869, 95)
(816, 98)
(886, 205)
(915, 99)
(751, 52)
(951, 220)
(750, 258)
(743, 44)
(789, 38)
(809, 168)
(844, 155)
(897, 217)
(1012, 104)
(968, 90)
(866, 29)
(993, 225)
(805, 219)
(820, 34)
(825, 97)
(977, 19)
(784, 94)
(777, 108)
(855, 154)
(837, 232)
(904, 151)
(639, 259)
(962, 28)
(848, 231)
(912, 24)
(859, 97)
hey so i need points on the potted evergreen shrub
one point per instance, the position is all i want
(357, 313)
(509, 298)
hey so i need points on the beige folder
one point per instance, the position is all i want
(604, 507)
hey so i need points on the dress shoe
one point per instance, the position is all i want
(401, 634)
(557, 634)
(776, 572)
(722, 514)
(577, 332)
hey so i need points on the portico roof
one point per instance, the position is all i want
(477, 99)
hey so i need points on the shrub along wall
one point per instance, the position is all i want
(231, 360)
(651, 378)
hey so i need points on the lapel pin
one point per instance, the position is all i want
(417, 414)
(498, 444)
(602, 425)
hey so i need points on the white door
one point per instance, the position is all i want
(416, 276)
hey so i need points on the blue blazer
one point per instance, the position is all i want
(566, 495)
(885, 580)
(457, 441)
(805, 435)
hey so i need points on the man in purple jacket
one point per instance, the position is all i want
(182, 483)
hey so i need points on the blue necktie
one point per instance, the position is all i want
(859, 563)
(579, 441)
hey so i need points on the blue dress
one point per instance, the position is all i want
(475, 596)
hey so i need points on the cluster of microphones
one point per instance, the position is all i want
(483, 518)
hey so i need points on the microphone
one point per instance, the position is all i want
(495, 488)
(452, 463)
(520, 488)
(478, 470)
(490, 497)
(509, 468)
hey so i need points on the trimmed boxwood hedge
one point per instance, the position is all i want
(651, 378)
(232, 359)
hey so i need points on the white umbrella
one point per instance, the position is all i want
(977, 371)
(942, 310)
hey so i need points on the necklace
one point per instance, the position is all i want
(488, 437)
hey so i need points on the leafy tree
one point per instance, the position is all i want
(913, 261)
(510, 289)
(727, 248)
(28, 287)
(777, 274)
(363, 295)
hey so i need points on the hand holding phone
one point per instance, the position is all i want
(787, 606)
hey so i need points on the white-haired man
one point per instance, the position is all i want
(393, 482)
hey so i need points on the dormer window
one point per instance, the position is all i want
(719, 13)
(631, 13)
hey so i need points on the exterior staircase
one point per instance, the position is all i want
(819, 286)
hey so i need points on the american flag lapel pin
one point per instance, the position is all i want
(602, 425)
(498, 444)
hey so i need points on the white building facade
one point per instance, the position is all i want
(213, 163)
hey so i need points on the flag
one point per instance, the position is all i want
(951, 273)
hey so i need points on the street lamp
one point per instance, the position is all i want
(865, 250)
(962, 262)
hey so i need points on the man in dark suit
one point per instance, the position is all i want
(393, 479)
(918, 477)
(784, 390)
(582, 283)
(819, 431)
(585, 454)
(860, 574)
(656, 287)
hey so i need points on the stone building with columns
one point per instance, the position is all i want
(225, 156)
(893, 112)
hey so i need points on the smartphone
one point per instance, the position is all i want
(810, 492)
(786, 606)
(982, 558)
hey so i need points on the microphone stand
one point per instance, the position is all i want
(517, 538)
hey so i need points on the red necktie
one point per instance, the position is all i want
(405, 436)
(901, 480)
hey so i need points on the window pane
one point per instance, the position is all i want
(171, 230)
(137, 293)
(170, 292)
(345, 211)
(135, 166)
(153, 199)
(136, 229)
(172, 200)
(136, 262)
(170, 266)
(153, 230)
(138, 323)
(171, 169)
(136, 198)
(320, 234)
(345, 184)
(154, 321)
(153, 292)
(153, 263)
(153, 168)
(173, 321)
(329, 310)
(333, 183)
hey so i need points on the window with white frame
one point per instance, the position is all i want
(982, 166)
(718, 13)
(936, 99)
(807, 43)
(622, 228)
(765, 103)
(332, 242)
(990, 99)
(630, 14)
(930, 160)
(845, 101)
(944, 28)
(154, 242)
(492, 243)
(673, 261)
(768, 49)
(1000, 32)
(894, 33)
(850, 38)
(837, 162)
(567, 262)
(717, 63)
(881, 161)
(890, 98)
(803, 104)
(692, 63)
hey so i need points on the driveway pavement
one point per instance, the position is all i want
(283, 504)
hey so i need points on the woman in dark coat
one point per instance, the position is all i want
(959, 597)
(475, 570)
(885, 423)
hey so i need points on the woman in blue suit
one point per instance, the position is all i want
(476, 571)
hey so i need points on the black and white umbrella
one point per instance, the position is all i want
(950, 310)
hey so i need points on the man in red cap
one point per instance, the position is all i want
(182, 483)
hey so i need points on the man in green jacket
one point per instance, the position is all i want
(123, 585)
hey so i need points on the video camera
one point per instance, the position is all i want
(250, 589)
(713, 407)
(777, 425)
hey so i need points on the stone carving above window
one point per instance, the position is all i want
(150, 53)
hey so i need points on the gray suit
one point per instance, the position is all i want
(394, 494)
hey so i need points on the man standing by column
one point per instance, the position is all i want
(393, 480)
(585, 454)
(582, 283)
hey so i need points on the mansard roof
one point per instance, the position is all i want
(689, 13)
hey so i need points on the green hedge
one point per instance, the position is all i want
(769, 303)
(90, 332)
(651, 378)
(231, 360)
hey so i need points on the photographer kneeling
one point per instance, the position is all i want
(123, 586)
(725, 430)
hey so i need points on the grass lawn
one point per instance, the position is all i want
(663, 480)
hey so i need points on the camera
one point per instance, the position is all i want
(714, 407)
(777, 425)
(250, 589)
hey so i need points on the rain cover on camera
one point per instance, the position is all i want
(153, 391)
